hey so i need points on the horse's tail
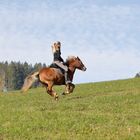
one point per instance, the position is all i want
(29, 80)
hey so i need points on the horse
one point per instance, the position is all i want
(49, 77)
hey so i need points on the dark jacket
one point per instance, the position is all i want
(57, 56)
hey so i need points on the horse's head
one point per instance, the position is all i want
(76, 63)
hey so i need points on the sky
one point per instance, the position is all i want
(105, 34)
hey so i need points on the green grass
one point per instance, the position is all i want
(94, 111)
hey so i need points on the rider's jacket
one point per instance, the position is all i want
(57, 56)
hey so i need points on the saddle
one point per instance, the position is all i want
(53, 65)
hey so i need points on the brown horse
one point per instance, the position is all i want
(53, 76)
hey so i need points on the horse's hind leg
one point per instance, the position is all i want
(51, 92)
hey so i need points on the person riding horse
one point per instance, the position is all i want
(50, 76)
(58, 60)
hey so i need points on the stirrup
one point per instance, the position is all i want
(68, 82)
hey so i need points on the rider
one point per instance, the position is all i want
(58, 60)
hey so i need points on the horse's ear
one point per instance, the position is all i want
(78, 58)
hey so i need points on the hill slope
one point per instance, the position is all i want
(106, 110)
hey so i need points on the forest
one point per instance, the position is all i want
(12, 74)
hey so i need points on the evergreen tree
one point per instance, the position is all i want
(12, 74)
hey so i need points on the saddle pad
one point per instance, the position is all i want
(53, 65)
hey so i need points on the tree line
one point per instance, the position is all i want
(12, 74)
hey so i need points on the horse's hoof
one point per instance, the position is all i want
(56, 97)
(63, 93)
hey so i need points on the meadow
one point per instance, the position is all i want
(94, 111)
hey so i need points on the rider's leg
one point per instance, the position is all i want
(67, 80)
(65, 68)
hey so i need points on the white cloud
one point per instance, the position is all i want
(105, 37)
(109, 65)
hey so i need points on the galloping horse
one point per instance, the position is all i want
(53, 76)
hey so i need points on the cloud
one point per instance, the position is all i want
(105, 37)
(109, 65)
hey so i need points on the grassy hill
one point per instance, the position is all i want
(95, 111)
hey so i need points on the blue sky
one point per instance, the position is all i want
(103, 33)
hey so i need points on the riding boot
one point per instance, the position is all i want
(67, 80)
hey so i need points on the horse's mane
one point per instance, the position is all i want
(70, 58)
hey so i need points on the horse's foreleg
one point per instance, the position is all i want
(51, 92)
(69, 88)
(72, 86)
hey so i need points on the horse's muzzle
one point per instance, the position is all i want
(84, 69)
